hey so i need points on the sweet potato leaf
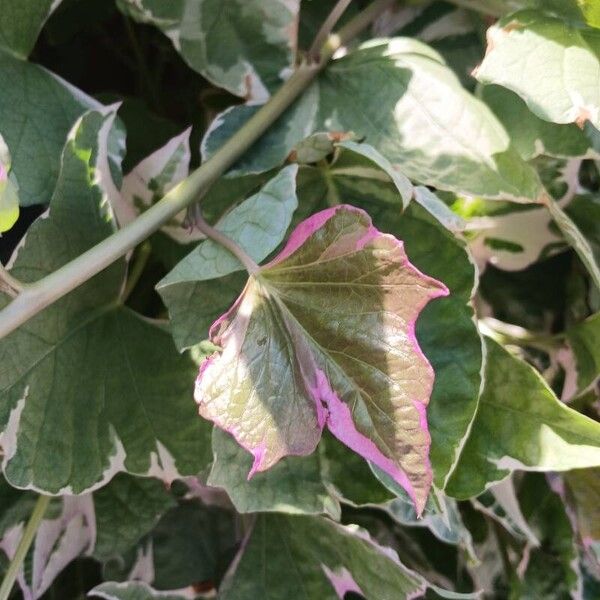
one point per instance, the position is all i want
(322, 559)
(521, 425)
(21, 23)
(85, 383)
(553, 66)
(241, 45)
(35, 131)
(422, 121)
(324, 335)
(295, 485)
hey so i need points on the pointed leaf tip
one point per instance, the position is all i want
(325, 335)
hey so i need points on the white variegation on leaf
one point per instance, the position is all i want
(150, 180)
(324, 559)
(244, 46)
(514, 240)
(85, 382)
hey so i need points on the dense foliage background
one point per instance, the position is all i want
(470, 131)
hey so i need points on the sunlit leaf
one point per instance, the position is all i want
(421, 121)
(324, 335)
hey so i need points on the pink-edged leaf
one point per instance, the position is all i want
(324, 335)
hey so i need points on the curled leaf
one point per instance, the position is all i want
(324, 335)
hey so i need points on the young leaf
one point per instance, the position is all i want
(321, 559)
(446, 329)
(425, 122)
(35, 132)
(553, 66)
(22, 22)
(295, 485)
(327, 326)
(521, 425)
(257, 225)
(243, 46)
(85, 382)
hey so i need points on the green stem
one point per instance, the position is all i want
(30, 530)
(327, 27)
(227, 242)
(42, 293)
(136, 270)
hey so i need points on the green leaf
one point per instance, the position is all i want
(584, 340)
(530, 135)
(35, 131)
(243, 46)
(22, 22)
(521, 425)
(553, 66)
(257, 225)
(328, 325)
(584, 212)
(130, 590)
(85, 382)
(294, 485)
(127, 509)
(350, 475)
(318, 559)
(409, 106)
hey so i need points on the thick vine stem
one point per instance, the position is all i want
(24, 544)
(37, 296)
